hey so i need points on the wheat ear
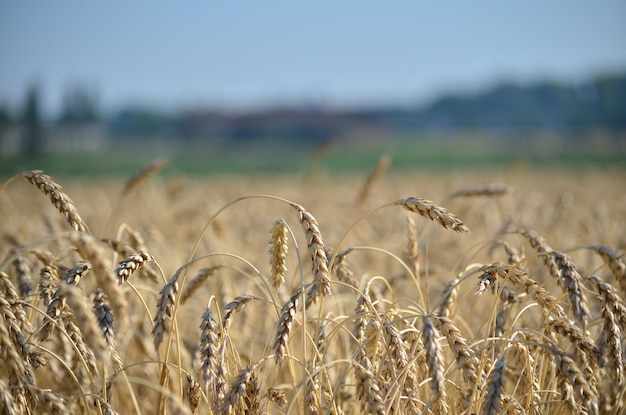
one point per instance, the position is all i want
(584, 347)
(616, 263)
(436, 369)
(278, 249)
(13, 346)
(493, 403)
(23, 279)
(572, 284)
(7, 288)
(90, 250)
(430, 210)
(48, 276)
(518, 276)
(465, 356)
(209, 350)
(315, 244)
(287, 316)
(85, 318)
(7, 402)
(571, 380)
(105, 322)
(165, 309)
(128, 266)
(193, 393)
(411, 252)
(402, 365)
(529, 383)
(234, 306)
(277, 396)
(241, 393)
(59, 199)
(196, 282)
(143, 174)
(373, 177)
(614, 327)
(367, 388)
(489, 190)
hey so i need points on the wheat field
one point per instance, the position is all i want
(389, 293)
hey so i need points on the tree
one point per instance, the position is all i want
(31, 121)
(79, 106)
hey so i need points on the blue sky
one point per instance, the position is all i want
(337, 53)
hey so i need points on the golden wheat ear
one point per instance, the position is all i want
(430, 210)
(53, 190)
(143, 175)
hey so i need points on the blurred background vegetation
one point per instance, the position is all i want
(220, 89)
(543, 124)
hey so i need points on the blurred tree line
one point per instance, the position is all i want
(599, 104)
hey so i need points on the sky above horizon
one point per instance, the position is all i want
(318, 53)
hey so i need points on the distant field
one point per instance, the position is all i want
(355, 155)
